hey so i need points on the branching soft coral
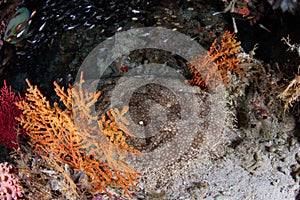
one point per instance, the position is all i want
(75, 136)
(221, 59)
(291, 93)
(205, 72)
(225, 55)
(10, 131)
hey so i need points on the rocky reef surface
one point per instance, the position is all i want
(238, 141)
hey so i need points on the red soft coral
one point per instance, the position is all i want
(9, 126)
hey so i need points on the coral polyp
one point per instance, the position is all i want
(9, 187)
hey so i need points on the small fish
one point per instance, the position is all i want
(72, 27)
(18, 26)
(32, 14)
(135, 11)
(86, 24)
(42, 27)
(91, 27)
(263, 27)
(20, 33)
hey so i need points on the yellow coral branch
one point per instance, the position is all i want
(76, 137)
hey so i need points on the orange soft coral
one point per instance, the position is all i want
(225, 55)
(207, 70)
(204, 72)
(76, 137)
